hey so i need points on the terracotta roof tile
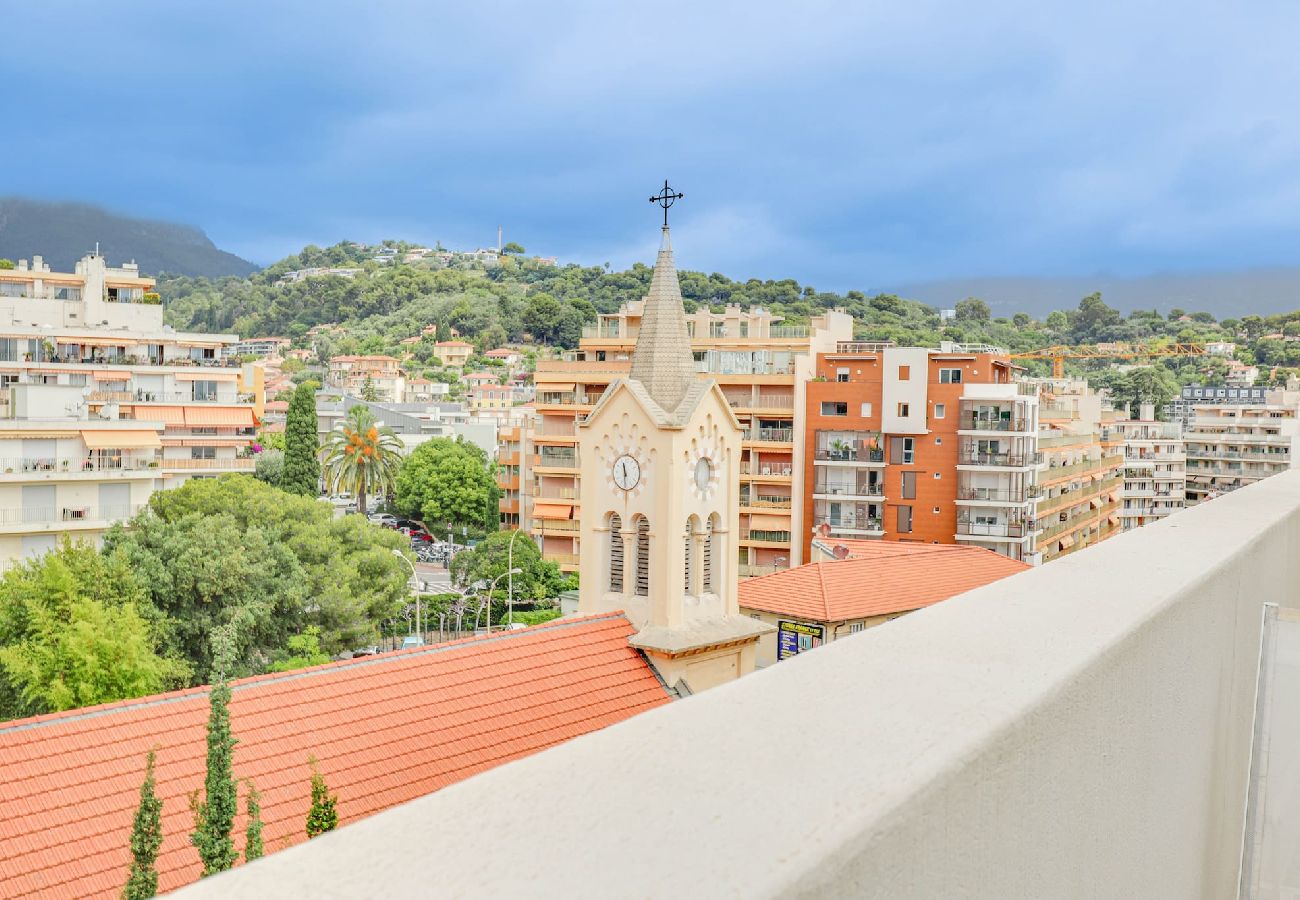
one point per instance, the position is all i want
(878, 578)
(386, 729)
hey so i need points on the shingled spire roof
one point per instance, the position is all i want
(662, 360)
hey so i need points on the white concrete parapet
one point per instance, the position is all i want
(1078, 730)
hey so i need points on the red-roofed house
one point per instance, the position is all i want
(385, 729)
(453, 353)
(510, 357)
(474, 379)
(873, 582)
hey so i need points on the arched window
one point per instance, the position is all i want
(710, 555)
(689, 557)
(642, 587)
(615, 553)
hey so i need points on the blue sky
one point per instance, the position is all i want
(845, 144)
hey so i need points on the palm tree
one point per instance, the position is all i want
(361, 456)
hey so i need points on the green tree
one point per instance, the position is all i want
(235, 551)
(291, 365)
(1093, 318)
(303, 650)
(369, 392)
(361, 456)
(301, 474)
(973, 309)
(214, 816)
(269, 467)
(323, 815)
(1021, 320)
(253, 831)
(538, 579)
(449, 485)
(72, 634)
(512, 247)
(6, 263)
(146, 838)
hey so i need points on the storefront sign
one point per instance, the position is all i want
(796, 637)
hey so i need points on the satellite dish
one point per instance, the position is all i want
(824, 530)
(840, 552)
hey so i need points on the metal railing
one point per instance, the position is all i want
(969, 457)
(779, 469)
(773, 435)
(48, 515)
(788, 331)
(764, 402)
(992, 529)
(857, 489)
(862, 346)
(851, 454)
(229, 462)
(1000, 495)
(71, 465)
(756, 534)
(984, 423)
(762, 501)
(854, 523)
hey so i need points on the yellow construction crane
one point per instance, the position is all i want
(1059, 354)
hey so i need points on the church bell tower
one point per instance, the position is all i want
(660, 491)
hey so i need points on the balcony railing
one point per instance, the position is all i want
(969, 457)
(765, 501)
(229, 462)
(850, 454)
(23, 465)
(984, 423)
(858, 489)
(778, 402)
(1000, 495)
(1095, 754)
(49, 515)
(783, 470)
(773, 537)
(992, 529)
(773, 435)
(853, 523)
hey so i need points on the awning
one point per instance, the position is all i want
(168, 415)
(99, 342)
(209, 375)
(200, 343)
(551, 387)
(7, 435)
(552, 511)
(769, 523)
(112, 376)
(121, 440)
(1114, 520)
(218, 441)
(229, 416)
(1067, 542)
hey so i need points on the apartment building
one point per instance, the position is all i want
(261, 347)
(1080, 470)
(453, 352)
(762, 366)
(96, 391)
(1231, 445)
(382, 373)
(1155, 469)
(422, 390)
(1180, 408)
(514, 472)
(924, 445)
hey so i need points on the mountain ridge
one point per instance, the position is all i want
(62, 233)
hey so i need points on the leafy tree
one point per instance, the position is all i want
(72, 634)
(303, 651)
(369, 392)
(6, 263)
(214, 816)
(253, 832)
(235, 551)
(1093, 317)
(449, 485)
(361, 456)
(538, 579)
(291, 365)
(269, 467)
(973, 309)
(323, 816)
(512, 247)
(146, 838)
(301, 474)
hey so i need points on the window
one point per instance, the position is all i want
(203, 453)
(717, 329)
(834, 408)
(205, 390)
(950, 376)
(904, 520)
(841, 374)
(904, 373)
(615, 553)
(904, 410)
(901, 450)
(909, 485)
(940, 410)
(937, 476)
(938, 442)
(642, 557)
(689, 567)
(936, 512)
(855, 627)
(710, 582)
(866, 410)
(744, 328)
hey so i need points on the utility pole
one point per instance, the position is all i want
(498, 240)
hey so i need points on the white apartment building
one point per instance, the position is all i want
(101, 403)
(1232, 445)
(1155, 469)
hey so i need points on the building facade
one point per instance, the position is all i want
(923, 445)
(382, 374)
(761, 366)
(101, 404)
(1231, 445)
(1155, 469)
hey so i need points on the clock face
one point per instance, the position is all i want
(703, 473)
(627, 472)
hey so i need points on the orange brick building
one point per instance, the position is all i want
(924, 445)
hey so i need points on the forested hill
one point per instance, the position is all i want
(523, 300)
(62, 233)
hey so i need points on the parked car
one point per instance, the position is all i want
(384, 519)
(412, 640)
(365, 651)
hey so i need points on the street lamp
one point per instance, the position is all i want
(510, 582)
(416, 578)
(510, 572)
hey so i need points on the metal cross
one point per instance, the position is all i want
(666, 198)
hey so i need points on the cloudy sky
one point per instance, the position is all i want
(857, 144)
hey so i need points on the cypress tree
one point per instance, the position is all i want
(253, 833)
(214, 817)
(301, 472)
(146, 838)
(322, 816)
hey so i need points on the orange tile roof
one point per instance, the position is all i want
(386, 729)
(879, 578)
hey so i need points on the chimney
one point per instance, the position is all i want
(1147, 412)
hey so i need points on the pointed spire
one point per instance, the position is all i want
(662, 360)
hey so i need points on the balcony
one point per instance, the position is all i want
(80, 467)
(64, 518)
(999, 495)
(770, 435)
(973, 457)
(850, 455)
(849, 490)
(770, 470)
(968, 528)
(1082, 729)
(761, 536)
(764, 501)
(237, 463)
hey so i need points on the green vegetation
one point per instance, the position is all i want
(269, 467)
(361, 456)
(235, 551)
(323, 815)
(253, 848)
(539, 579)
(214, 815)
(301, 651)
(301, 472)
(146, 838)
(449, 486)
(76, 629)
(6, 263)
